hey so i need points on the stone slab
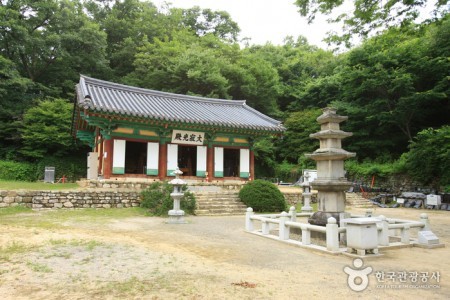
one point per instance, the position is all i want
(427, 237)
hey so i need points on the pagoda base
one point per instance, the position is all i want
(320, 218)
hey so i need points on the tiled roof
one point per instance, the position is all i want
(107, 97)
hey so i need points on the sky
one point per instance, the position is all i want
(264, 20)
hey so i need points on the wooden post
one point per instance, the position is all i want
(252, 165)
(162, 164)
(107, 159)
(210, 163)
(100, 156)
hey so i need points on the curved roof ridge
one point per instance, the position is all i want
(103, 96)
(129, 88)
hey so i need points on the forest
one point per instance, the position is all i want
(394, 87)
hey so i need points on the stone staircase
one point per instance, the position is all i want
(219, 203)
(357, 200)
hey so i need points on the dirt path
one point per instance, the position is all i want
(209, 258)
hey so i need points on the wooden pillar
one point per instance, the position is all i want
(252, 165)
(100, 155)
(210, 163)
(107, 159)
(162, 164)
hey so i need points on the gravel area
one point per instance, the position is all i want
(208, 258)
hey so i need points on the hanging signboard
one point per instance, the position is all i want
(188, 137)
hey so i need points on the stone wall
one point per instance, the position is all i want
(69, 199)
(109, 195)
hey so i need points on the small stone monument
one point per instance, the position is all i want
(330, 183)
(176, 215)
(306, 195)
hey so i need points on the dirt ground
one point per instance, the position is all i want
(208, 258)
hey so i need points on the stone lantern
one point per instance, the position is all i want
(306, 194)
(176, 215)
(330, 183)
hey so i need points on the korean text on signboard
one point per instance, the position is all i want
(188, 137)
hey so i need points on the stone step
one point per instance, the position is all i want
(220, 212)
(219, 203)
(212, 200)
(356, 200)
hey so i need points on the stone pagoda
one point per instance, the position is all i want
(331, 183)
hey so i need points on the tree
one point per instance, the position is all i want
(392, 87)
(182, 65)
(15, 92)
(428, 158)
(51, 42)
(296, 141)
(46, 129)
(297, 65)
(207, 21)
(368, 16)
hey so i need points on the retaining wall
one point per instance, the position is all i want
(105, 195)
(69, 199)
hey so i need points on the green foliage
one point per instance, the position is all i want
(262, 196)
(296, 141)
(15, 94)
(428, 158)
(367, 16)
(72, 167)
(20, 171)
(46, 129)
(158, 201)
(287, 172)
(365, 170)
(265, 161)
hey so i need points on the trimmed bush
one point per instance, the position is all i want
(158, 201)
(262, 196)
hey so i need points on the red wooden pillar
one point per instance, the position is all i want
(107, 159)
(100, 156)
(162, 164)
(210, 163)
(252, 165)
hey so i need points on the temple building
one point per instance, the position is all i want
(141, 133)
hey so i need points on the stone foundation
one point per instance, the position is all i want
(109, 194)
(69, 199)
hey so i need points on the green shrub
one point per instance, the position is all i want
(72, 167)
(287, 172)
(20, 171)
(262, 196)
(158, 201)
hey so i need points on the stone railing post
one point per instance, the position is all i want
(383, 235)
(283, 230)
(248, 220)
(425, 221)
(405, 234)
(332, 235)
(265, 227)
(306, 235)
(293, 214)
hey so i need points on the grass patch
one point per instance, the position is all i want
(90, 245)
(56, 219)
(38, 186)
(37, 267)
(13, 210)
(299, 206)
(13, 248)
